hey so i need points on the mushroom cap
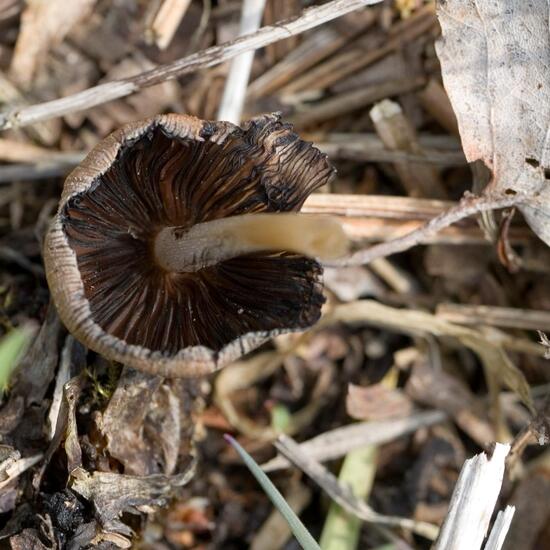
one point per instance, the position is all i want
(177, 170)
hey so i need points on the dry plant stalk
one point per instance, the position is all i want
(508, 317)
(473, 502)
(338, 442)
(232, 102)
(398, 134)
(167, 20)
(215, 55)
(468, 206)
(342, 495)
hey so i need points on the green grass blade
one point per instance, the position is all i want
(296, 526)
(341, 530)
(12, 347)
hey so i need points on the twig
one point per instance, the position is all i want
(24, 152)
(355, 59)
(360, 151)
(340, 441)
(215, 55)
(232, 102)
(398, 134)
(468, 206)
(314, 48)
(509, 317)
(167, 21)
(537, 431)
(473, 501)
(351, 101)
(377, 206)
(342, 495)
(29, 172)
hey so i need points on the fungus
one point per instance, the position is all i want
(177, 248)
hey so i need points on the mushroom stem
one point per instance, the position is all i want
(208, 243)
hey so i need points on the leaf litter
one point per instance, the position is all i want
(94, 455)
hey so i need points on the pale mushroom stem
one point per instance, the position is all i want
(209, 243)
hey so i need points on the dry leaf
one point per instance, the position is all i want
(112, 494)
(494, 60)
(377, 402)
(122, 422)
(443, 391)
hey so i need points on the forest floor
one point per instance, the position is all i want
(433, 354)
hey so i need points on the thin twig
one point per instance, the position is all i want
(31, 172)
(338, 442)
(508, 317)
(215, 55)
(375, 151)
(468, 206)
(376, 206)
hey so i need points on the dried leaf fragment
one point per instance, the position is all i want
(112, 494)
(377, 402)
(494, 60)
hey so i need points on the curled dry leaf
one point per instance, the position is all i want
(494, 60)
(377, 402)
(112, 494)
(122, 421)
(149, 423)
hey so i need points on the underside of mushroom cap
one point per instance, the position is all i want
(175, 170)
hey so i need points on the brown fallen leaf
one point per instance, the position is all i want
(150, 423)
(494, 60)
(377, 402)
(122, 422)
(112, 494)
(28, 539)
(443, 391)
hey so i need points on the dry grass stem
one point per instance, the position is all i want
(350, 101)
(472, 504)
(166, 21)
(506, 317)
(232, 101)
(215, 55)
(338, 442)
(468, 206)
(398, 134)
(342, 495)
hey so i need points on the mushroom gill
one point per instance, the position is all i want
(151, 188)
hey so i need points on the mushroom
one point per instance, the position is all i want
(177, 248)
